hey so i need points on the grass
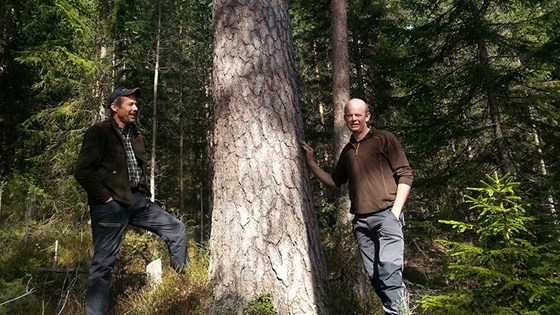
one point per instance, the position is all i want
(178, 294)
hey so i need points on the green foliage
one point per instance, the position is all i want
(19, 259)
(445, 86)
(502, 271)
(60, 35)
(417, 62)
(17, 297)
(28, 233)
(503, 217)
(22, 263)
(260, 305)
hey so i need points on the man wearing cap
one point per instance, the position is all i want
(111, 167)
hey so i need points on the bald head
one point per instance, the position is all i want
(356, 104)
(356, 116)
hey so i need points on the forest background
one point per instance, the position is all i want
(470, 87)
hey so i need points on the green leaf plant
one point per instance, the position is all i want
(499, 268)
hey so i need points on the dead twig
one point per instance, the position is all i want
(28, 292)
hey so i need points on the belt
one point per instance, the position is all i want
(365, 215)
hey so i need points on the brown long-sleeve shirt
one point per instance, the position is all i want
(373, 168)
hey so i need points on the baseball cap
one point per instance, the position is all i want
(121, 91)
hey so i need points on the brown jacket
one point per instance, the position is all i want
(101, 167)
(373, 168)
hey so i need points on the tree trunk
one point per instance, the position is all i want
(317, 98)
(341, 72)
(264, 235)
(341, 84)
(352, 275)
(542, 166)
(154, 111)
(358, 64)
(105, 79)
(29, 207)
(2, 184)
(181, 117)
(494, 109)
(492, 99)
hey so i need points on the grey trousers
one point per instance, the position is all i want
(109, 223)
(381, 243)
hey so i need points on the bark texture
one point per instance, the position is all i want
(341, 72)
(264, 232)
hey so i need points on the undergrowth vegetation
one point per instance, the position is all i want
(499, 267)
(495, 263)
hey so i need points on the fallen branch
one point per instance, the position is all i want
(60, 270)
(19, 297)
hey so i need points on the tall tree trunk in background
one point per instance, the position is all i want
(105, 83)
(492, 98)
(341, 84)
(341, 72)
(181, 117)
(154, 111)
(317, 96)
(2, 184)
(357, 58)
(98, 88)
(29, 208)
(352, 274)
(494, 109)
(542, 166)
(264, 233)
(101, 47)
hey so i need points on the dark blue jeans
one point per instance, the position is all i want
(381, 242)
(109, 223)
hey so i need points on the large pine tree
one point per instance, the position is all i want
(264, 232)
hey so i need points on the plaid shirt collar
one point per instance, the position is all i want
(134, 170)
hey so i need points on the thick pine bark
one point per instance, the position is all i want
(264, 233)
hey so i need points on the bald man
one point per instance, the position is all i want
(379, 178)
